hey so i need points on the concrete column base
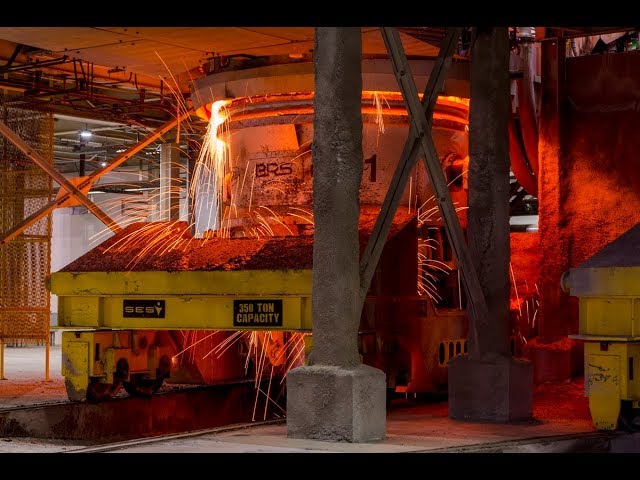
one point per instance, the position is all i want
(497, 389)
(336, 404)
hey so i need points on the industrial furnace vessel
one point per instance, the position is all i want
(126, 309)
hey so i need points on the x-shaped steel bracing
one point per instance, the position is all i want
(72, 190)
(421, 141)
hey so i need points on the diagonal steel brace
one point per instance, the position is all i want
(130, 152)
(373, 250)
(421, 127)
(58, 177)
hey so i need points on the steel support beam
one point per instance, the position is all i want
(373, 250)
(130, 152)
(421, 128)
(58, 177)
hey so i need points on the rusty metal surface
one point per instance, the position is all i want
(127, 418)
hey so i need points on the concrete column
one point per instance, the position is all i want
(192, 158)
(335, 397)
(153, 177)
(488, 214)
(493, 386)
(169, 183)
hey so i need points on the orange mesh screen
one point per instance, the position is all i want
(25, 260)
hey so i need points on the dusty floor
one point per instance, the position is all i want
(413, 425)
(24, 370)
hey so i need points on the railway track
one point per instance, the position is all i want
(172, 412)
(115, 446)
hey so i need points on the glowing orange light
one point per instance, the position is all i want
(212, 165)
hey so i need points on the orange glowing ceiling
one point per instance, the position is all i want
(143, 50)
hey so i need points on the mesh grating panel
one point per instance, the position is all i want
(25, 260)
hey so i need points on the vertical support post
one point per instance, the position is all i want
(47, 357)
(192, 158)
(488, 214)
(169, 181)
(335, 397)
(490, 385)
(337, 173)
(153, 177)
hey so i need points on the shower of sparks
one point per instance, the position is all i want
(271, 353)
(175, 90)
(428, 266)
(163, 237)
(515, 288)
(275, 217)
(212, 165)
(206, 185)
(527, 302)
(377, 100)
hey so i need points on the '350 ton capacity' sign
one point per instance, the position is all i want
(257, 313)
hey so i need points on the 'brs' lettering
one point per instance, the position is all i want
(273, 169)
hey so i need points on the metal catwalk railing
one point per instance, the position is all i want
(25, 261)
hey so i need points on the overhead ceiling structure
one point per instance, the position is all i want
(133, 74)
(120, 82)
(147, 57)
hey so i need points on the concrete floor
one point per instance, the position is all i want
(24, 370)
(410, 429)
(561, 414)
(407, 431)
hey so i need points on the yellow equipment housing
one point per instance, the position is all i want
(608, 288)
(129, 328)
(111, 316)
